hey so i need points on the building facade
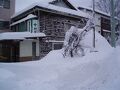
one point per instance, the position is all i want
(7, 9)
(52, 20)
(41, 28)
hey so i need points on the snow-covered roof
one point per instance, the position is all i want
(53, 7)
(30, 16)
(81, 3)
(87, 4)
(19, 35)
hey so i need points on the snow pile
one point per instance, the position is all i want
(4, 74)
(95, 71)
(101, 43)
(78, 41)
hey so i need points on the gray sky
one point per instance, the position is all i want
(21, 4)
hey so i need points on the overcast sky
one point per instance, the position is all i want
(21, 4)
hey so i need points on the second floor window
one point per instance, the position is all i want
(5, 4)
(4, 25)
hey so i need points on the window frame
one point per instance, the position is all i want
(2, 3)
(5, 4)
(56, 44)
(4, 25)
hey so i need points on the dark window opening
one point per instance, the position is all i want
(34, 50)
(4, 25)
(58, 46)
(5, 4)
(1, 3)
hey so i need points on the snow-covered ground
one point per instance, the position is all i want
(95, 71)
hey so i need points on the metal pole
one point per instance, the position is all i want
(94, 23)
(112, 24)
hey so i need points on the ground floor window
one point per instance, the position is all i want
(45, 47)
(57, 46)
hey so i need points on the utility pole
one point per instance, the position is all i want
(112, 23)
(93, 5)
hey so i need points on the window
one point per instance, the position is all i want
(4, 25)
(1, 3)
(105, 24)
(22, 27)
(57, 46)
(5, 4)
(32, 25)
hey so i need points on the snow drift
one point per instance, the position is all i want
(95, 71)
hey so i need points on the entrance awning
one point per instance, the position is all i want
(20, 35)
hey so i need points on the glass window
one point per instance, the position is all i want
(5, 4)
(22, 27)
(32, 25)
(4, 25)
(58, 46)
(1, 3)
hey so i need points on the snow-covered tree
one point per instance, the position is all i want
(74, 36)
(104, 5)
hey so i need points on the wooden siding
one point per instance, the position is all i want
(55, 27)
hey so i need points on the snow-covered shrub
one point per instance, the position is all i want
(73, 38)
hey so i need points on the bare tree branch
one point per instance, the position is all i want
(104, 5)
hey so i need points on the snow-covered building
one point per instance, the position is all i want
(47, 18)
(47, 24)
(102, 19)
(7, 8)
(19, 46)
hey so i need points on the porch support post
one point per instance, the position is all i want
(112, 24)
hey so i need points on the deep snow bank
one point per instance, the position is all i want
(95, 71)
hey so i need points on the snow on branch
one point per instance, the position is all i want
(74, 36)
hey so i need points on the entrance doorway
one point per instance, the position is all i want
(9, 51)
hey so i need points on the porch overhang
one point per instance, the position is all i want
(20, 35)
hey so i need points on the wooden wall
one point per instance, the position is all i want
(55, 27)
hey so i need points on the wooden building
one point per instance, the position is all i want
(39, 29)
(19, 46)
(7, 8)
(102, 19)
